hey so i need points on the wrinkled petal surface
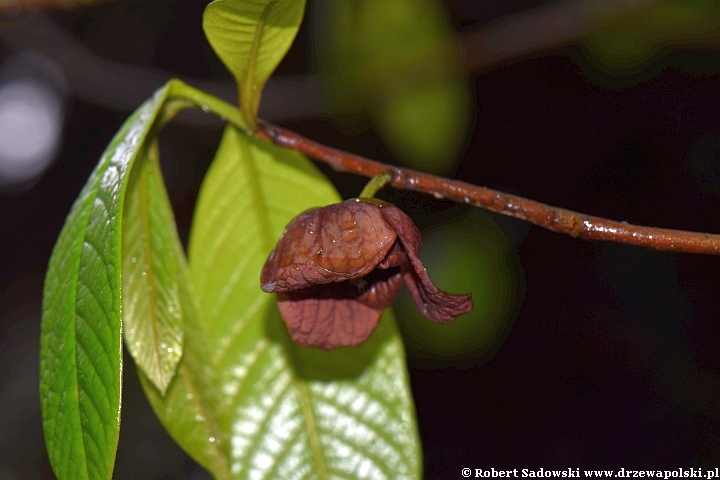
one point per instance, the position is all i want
(340, 314)
(336, 268)
(332, 244)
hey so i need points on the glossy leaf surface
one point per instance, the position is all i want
(152, 260)
(263, 407)
(81, 350)
(251, 37)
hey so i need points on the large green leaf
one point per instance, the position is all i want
(251, 37)
(247, 402)
(80, 344)
(81, 350)
(152, 260)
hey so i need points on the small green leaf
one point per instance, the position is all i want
(80, 345)
(247, 402)
(152, 259)
(251, 37)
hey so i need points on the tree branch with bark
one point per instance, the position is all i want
(555, 219)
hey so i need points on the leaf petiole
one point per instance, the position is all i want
(182, 96)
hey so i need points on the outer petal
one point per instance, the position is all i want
(332, 244)
(432, 302)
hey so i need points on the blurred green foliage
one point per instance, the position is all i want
(627, 44)
(468, 254)
(399, 63)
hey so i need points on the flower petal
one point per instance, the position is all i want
(332, 244)
(381, 289)
(432, 302)
(324, 316)
(340, 314)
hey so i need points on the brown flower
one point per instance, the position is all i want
(336, 268)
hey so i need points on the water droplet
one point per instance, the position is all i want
(163, 345)
(254, 87)
(168, 410)
(438, 195)
(406, 416)
(466, 199)
(170, 350)
(205, 108)
(403, 427)
(211, 439)
(144, 274)
(199, 417)
(189, 396)
(133, 260)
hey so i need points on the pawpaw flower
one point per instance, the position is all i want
(336, 268)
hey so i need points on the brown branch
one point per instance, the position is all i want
(559, 220)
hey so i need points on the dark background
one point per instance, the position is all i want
(613, 358)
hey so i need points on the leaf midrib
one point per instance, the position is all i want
(311, 427)
(249, 80)
(149, 273)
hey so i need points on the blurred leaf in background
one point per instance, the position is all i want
(469, 253)
(626, 44)
(399, 63)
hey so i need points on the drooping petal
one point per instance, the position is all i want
(332, 244)
(380, 288)
(340, 314)
(432, 302)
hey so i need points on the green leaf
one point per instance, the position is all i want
(251, 37)
(81, 350)
(185, 409)
(247, 402)
(152, 260)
